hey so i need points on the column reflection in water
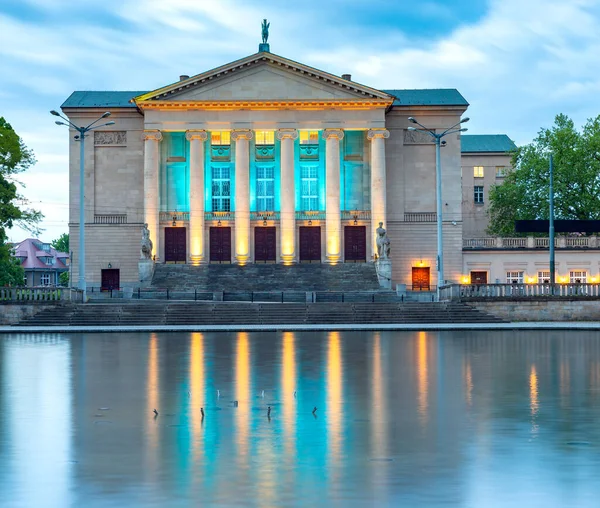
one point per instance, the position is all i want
(334, 411)
(243, 392)
(379, 418)
(468, 383)
(288, 387)
(153, 402)
(197, 391)
(533, 399)
(422, 379)
(36, 385)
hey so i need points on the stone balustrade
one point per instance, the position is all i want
(530, 242)
(462, 292)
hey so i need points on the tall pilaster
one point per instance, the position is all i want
(242, 194)
(151, 192)
(333, 215)
(196, 221)
(378, 185)
(287, 222)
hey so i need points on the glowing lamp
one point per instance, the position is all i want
(465, 279)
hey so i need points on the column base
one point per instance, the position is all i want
(288, 259)
(333, 259)
(242, 259)
(198, 259)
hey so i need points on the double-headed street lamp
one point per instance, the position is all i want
(81, 138)
(438, 187)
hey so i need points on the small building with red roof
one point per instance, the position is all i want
(42, 263)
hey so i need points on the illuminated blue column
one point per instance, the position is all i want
(333, 215)
(287, 223)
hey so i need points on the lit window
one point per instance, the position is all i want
(578, 277)
(310, 196)
(220, 138)
(544, 277)
(478, 194)
(45, 279)
(478, 171)
(265, 137)
(221, 189)
(514, 277)
(500, 171)
(265, 188)
(309, 137)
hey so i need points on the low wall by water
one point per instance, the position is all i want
(12, 313)
(543, 310)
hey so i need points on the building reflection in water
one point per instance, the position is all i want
(334, 410)
(243, 391)
(422, 379)
(468, 383)
(153, 402)
(288, 388)
(533, 398)
(197, 390)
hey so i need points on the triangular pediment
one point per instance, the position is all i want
(263, 77)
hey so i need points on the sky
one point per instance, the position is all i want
(517, 62)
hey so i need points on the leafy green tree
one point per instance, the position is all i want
(15, 158)
(61, 244)
(63, 279)
(524, 193)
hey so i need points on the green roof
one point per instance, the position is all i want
(428, 97)
(101, 100)
(478, 143)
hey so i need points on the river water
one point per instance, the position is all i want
(465, 419)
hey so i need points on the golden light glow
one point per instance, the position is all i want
(378, 396)
(333, 248)
(220, 138)
(197, 388)
(531, 280)
(309, 137)
(465, 279)
(196, 247)
(242, 393)
(314, 105)
(153, 402)
(563, 279)
(468, 383)
(533, 398)
(334, 397)
(264, 137)
(288, 384)
(422, 379)
(594, 279)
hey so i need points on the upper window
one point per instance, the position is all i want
(478, 194)
(500, 171)
(543, 277)
(265, 137)
(220, 138)
(310, 190)
(265, 188)
(578, 277)
(309, 137)
(221, 189)
(478, 171)
(514, 277)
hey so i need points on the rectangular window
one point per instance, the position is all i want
(309, 137)
(500, 171)
(309, 191)
(265, 137)
(45, 279)
(544, 277)
(265, 188)
(478, 194)
(220, 138)
(514, 277)
(221, 189)
(353, 145)
(578, 277)
(478, 171)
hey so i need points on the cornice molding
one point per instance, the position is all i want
(286, 104)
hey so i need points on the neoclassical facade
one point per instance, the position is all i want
(265, 160)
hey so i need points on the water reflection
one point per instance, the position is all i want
(391, 428)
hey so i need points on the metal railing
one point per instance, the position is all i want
(356, 215)
(177, 216)
(420, 217)
(118, 218)
(219, 215)
(264, 216)
(310, 215)
(515, 291)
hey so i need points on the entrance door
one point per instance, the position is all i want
(355, 243)
(175, 245)
(420, 278)
(220, 245)
(478, 277)
(110, 279)
(310, 244)
(265, 244)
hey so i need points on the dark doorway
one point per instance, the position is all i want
(478, 277)
(110, 278)
(355, 243)
(220, 245)
(420, 278)
(310, 244)
(175, 245)
(265, 244)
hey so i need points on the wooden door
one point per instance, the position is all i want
(355, 243)
(175, 245)
(478, 277)
(420, 278)
(265, 244)
(110, 279)
(310, 244)
(220, 245)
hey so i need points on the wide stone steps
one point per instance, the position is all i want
(221, 313)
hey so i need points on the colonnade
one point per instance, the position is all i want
(287, 230)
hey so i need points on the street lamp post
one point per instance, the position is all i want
(81, 137)
(438, 187)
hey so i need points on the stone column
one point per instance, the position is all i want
(242, 195)
(151, 191)
(196, 222)
(378, 185)
(287, 222)
(333, 215)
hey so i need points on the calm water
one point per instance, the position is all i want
(471, 419)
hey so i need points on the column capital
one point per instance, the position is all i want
(242, 134)
(196, 134)
(333, 133)
(152, 135)
(378, 134)
(287, 134)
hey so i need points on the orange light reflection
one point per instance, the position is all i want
(242, 393)
(197, 389)
(422, 379)
(334, 397)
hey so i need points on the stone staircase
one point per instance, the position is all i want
(267, 277)
(151, 313)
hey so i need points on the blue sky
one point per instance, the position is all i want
(518, 62)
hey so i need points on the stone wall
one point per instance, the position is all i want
(558, 310)
(13, 313)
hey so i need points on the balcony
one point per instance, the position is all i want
(531, 243)
(170, 216)
(356, 215)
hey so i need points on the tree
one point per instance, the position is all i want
(524, 192)
(61, 244)
(15, 158)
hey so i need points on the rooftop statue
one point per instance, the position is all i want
(265, 31)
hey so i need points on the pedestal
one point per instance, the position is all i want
(384, 272)
(146, 269)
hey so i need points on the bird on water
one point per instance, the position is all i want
(202, 411)
(314, 411)
(269, 411)
(155, 412)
